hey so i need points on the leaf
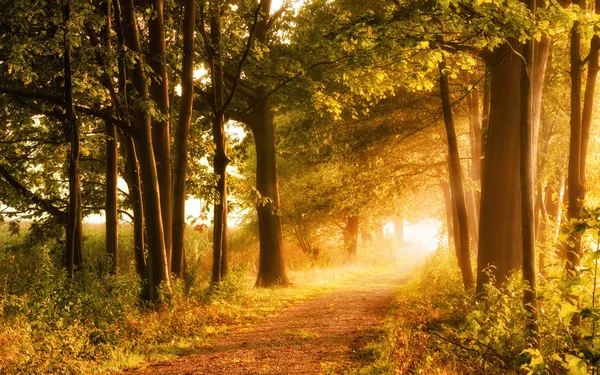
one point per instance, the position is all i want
(576, 365)
(567, 310)
(14, 228)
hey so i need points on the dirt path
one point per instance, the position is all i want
(312, 337)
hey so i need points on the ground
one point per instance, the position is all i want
(323, 335)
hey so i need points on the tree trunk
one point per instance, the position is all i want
(552, 198)
(500, 221)
(161, 128)
(526, 184)
(74, 237)
(181, 139)
(485, 122)
(112, 173)
(365, 234)
(132, 178)
(271, 270)
(475, 167)
(449, 213)
(456, 187)
(500, 228)
(158, 271)
(473, 197)
(575, 193)
(455, 227)
(580, 132)
(588, 102)
(399, 229)
(112, 162)
(220, 160)
(351, 236)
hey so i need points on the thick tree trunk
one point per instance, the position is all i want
(500, 228)
(500, 221)
(351, 236)
(158, 271)
(74, 237)
(456, 187)
(526, 183)
(181, 140)
(161, 128)
(271, 270)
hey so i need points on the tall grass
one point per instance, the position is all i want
(97, 324)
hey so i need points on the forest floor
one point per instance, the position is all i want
(328, 334)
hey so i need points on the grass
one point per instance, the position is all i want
(95, 324)
(301, 334)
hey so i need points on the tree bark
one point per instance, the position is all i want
(271, 270)
(575, 193)
(473, 197)
(526, 183)
(500, 228)
(158, 271)
(112, 218)
(449, 213)
(456, 187)
(220, 160)
(475, 167)
(500, 221)
(74, 243)
(485, 121)
(351, 236)
(580, 132)
(181, 139)
(132, 178)
(112, 166)
(161, 127)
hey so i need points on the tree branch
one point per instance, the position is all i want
(278, 13)
(238, 75)
(44, 205)
(58, 101)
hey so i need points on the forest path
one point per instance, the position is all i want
(323, 334)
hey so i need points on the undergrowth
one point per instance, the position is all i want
(96, 323)
(435, 327)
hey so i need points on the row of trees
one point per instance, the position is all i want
(131, 59)
(96, 90)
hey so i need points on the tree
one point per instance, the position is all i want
(158, 271)
(526, 185)
(182, 138)
(456, 185)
